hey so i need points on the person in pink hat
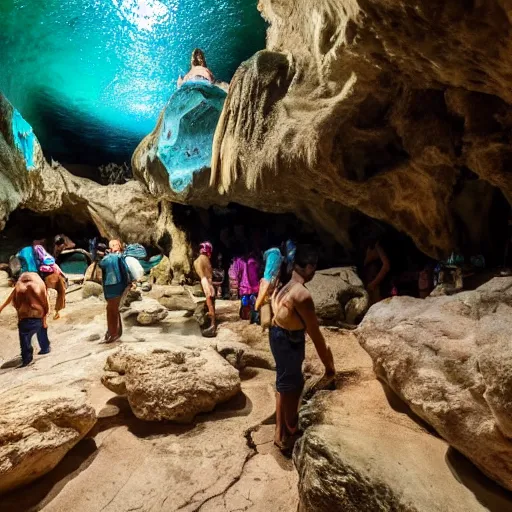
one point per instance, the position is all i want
(203, 268)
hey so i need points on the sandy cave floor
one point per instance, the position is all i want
(126, 464)
(225, 460)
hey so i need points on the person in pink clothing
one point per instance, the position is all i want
(245, 273)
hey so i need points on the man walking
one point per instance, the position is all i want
(294, 315)
(30, 300)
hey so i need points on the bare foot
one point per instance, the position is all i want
(56, 316)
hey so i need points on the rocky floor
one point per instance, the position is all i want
(362, 450)
(126, 464)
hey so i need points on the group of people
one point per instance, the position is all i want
(34, 271)
(290, 315)
(279, 297)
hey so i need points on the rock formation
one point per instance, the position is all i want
(388, 108)
(38, 426)
(126, 211)
(170, 383)
(449, 359)
(339, 296)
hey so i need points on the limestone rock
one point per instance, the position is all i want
(357, 454)
(4, 279)
(92, 289)
(151, 316)
(181, 302)
(449, 358)
(241, 356)
(37, 428)
(161, 274)
(147, 311)
(165, 382)
(339, 296)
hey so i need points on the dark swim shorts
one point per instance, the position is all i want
(289, 350)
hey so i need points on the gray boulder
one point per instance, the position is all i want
(339, 296)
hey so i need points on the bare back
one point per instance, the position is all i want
(199, 71)
(30, 298)
(286, 303)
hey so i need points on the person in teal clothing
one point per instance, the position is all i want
(116, 280)
(274, 259)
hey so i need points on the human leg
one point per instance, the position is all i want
(42, 339)
(288, 349)
(61, 297)
(26, 329)
(113, 318)
(212, 330)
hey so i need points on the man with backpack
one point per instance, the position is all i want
(116, 280)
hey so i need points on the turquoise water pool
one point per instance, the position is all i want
(91, 76)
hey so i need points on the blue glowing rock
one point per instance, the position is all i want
(24, 138)
(186, 135)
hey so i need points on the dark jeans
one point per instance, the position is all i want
(27, 328)
(289, 351)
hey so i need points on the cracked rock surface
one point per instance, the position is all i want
(223, 461)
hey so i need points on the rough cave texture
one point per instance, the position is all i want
(38, 426)
(169, 382)
(126, 211)
(449, 359)
(339, 296)
(390, 108)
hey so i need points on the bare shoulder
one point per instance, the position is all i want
(302, 295)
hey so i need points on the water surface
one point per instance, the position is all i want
(91, 76)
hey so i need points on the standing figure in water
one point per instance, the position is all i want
(198, 69)
(294, 315)
(203, 268)
(30, 300)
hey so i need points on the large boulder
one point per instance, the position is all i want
(339, 296)
(166, 382)
(450, 359)
(38, 426)
(364, 451)
(357, 454)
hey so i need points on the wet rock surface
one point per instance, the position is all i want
(449, 359)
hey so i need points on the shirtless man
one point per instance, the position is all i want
(295, 315)
(30, 299)
(203, 268)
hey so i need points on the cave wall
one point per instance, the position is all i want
(126, 211)
(372, 105)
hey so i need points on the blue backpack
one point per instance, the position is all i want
(27, 259)
(135, 251)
